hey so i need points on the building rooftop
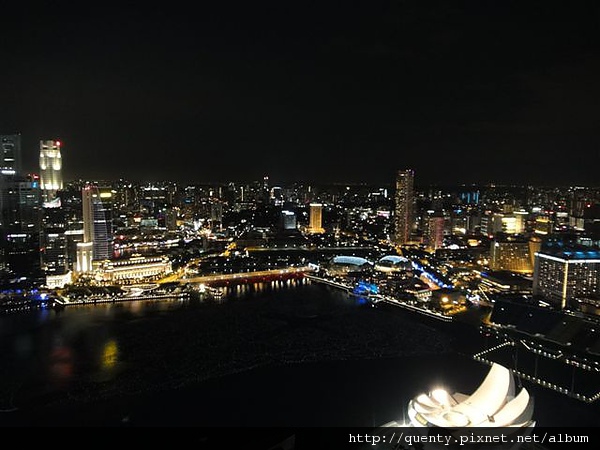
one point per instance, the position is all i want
(571, 252)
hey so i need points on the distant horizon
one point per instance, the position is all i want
(273, 183)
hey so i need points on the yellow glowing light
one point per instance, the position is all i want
(110, 354)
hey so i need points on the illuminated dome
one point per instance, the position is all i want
(493, 404)
(392, 263)
(343, 264)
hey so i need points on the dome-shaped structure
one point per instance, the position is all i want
(392, 263)
(343, 264)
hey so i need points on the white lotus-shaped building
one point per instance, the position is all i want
(493, 404)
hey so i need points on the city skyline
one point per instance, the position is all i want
(473, 93)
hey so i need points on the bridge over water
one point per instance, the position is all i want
(249, 277)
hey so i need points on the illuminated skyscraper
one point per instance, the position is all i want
(97, 221)
(404, 205)
(50, 169)
(316, 215)
(20, 225)
(435, 230)
(10, 154)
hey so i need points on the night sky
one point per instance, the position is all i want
(479, 91)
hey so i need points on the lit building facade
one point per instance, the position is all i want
(50, 169)
(508, 252)
(316, 218)
(562, 275)
(434, 234)
(54, 255)
(20, 217)
(543, 225)
(97, 226)
(85, 254)
(502, 223)
(133, 270)
(288, 220)
(10, 154)
(404, 205)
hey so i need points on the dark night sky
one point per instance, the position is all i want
(504, 91)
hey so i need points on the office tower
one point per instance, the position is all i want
(288, 220)
(171, 216)
(543, 225)
(404, 205)
(10, 154)
(216, 212)
(20, 225)
(277, 196)
(512, 223)
(435, 230)
(54, 241)
(510, 252)
(469, 197)
(97, 223)
(566, 273)
(54, 254)
(50, 169)
(316, 218)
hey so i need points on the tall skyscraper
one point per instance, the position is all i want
(50, 169)
(10, 154)
(404, 205)
(97, 227)
(54, 241)
(435, 230)
(316, 218)
(20, 225)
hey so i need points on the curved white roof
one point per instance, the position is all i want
(352, 260)
(493, 404)
(394, 259)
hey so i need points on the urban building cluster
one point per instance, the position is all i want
(476, 240)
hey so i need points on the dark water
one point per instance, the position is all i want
(278, 354)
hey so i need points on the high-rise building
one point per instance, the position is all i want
(403, 217)
(435, 230)
(566, 273)
(510, 252)
(50, 169)
(20, 225)
(288, 220)
(316, 218)
(535, 245)
(171, 216)
(10, 154)
(277, 195)
(216, 212)
(543, 225)
(510, 223)
(54, 241)
(97, 223)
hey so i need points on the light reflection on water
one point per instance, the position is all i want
(106, 351)
(49, 353)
